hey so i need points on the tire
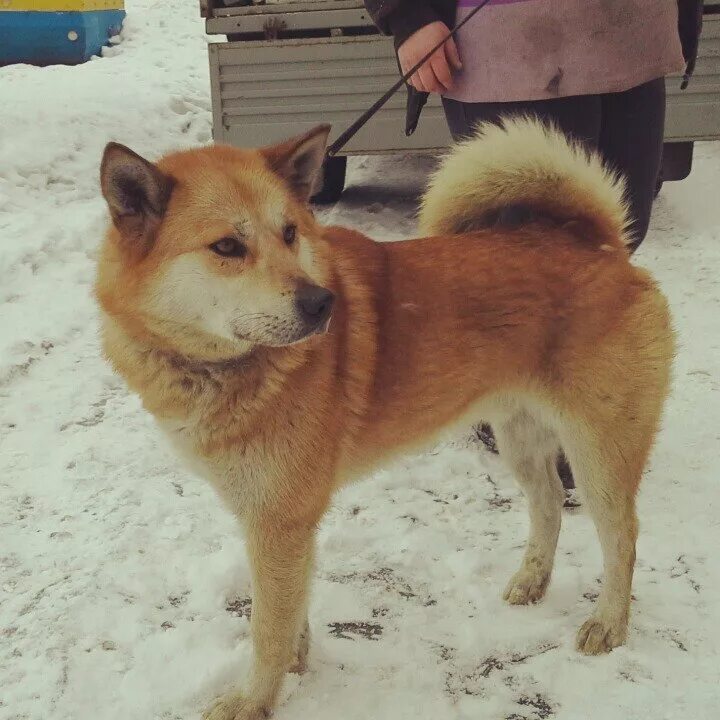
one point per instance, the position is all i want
(333, 181)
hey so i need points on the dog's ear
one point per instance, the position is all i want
(298, 161)
(137, 194)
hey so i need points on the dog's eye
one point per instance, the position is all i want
(289, 234)
(229, 247)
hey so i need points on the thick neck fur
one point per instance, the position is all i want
(230, 393)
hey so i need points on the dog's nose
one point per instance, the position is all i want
(315, 303)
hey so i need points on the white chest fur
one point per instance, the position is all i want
(238, 475)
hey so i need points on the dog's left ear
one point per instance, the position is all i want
(298, 161)
(137, 193)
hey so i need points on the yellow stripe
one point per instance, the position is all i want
(60, 5)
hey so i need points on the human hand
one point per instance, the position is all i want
(436, 74)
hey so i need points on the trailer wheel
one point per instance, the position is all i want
(333, 181)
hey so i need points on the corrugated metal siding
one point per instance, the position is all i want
(694, 113)
(271, 90)
(295, 16)
(264, 92)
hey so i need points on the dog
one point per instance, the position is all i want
(284, 359)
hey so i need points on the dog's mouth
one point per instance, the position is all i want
(286, 334)
(324, 326)
(311, 330)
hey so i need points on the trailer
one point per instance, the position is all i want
(279, 69)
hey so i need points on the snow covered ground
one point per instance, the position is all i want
(123, 581)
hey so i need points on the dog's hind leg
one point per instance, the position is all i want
(531, 451)
(607, 473)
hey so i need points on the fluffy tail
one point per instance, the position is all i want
(520, 172)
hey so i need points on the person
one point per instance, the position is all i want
(594, 68)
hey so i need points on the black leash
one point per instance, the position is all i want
(343, 139)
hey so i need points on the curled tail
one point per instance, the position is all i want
(522, 171)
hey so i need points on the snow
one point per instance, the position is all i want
(123, 581)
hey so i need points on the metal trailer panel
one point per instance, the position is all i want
(266, 91)
(321, 15)
(262, 7)
(269, 91)
(694, 113)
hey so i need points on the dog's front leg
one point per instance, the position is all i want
(281, 557)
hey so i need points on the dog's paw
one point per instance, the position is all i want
(526, 586)
(299, 663)
(600, 635)
(236, 707)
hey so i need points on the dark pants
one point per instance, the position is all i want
(626, 128)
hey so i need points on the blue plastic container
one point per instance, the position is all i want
(50, 38)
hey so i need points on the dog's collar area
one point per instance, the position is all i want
(205, 367)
